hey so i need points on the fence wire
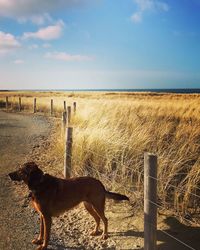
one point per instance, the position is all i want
(168, 234)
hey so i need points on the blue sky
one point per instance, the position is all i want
(67, 44)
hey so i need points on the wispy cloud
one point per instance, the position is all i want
(62, 56)
(36, 11)
(51, 32)
(136, 17)
(147, 5)
(8, 42)
(39, 19)
(18, 61)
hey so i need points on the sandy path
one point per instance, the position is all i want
(18, 135)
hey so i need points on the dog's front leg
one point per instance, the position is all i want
(39, 240)
(47, 228)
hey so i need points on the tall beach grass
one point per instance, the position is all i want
(113, 130)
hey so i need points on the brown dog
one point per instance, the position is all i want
(53, 196)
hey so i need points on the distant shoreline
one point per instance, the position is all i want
(175, 91)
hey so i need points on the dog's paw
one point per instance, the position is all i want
(104, 236)
(37, 241)
(95, 233)
(41, 247)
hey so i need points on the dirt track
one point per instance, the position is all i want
(25, 137)
(19, 134)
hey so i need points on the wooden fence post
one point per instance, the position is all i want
(74, 104)
(65, 109)
(20, 104)
(64, 123)
(150, 201)
(34, 106)
(68, 153)
(7, 103)
(68, 115)
(51, 107)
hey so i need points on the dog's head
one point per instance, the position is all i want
(29, 173)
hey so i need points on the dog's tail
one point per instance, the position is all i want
(116, 196)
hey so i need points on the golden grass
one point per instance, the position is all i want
(113, 130)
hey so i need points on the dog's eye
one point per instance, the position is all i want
(26, 173)
(23, 173)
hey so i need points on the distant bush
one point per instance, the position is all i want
(2, 104)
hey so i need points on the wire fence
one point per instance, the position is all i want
(129, 190)
(168, 234)
(96, 173)
(100, 156)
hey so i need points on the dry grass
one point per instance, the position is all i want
(113, 130)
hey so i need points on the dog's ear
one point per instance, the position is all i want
(35, 178)
(30, 165)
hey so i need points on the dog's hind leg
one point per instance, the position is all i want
(99, 208)
(96, 217)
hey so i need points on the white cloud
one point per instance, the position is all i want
(51, 32)
(8, 42)
(62, 56)
(18, 61)
(136, 17)
(147, 5)
(39, 19)
(144, 4)
(35, 10)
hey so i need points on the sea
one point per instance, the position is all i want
(176, 91)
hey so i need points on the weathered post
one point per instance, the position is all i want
(68, 153)
(51, 107)
(20, 104)
(150, 201)
(7, 103)
(65, 109)
(64, 123)
(74, 104)
(34, 106)
(69, 115)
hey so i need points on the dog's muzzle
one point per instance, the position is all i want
(14, 176)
